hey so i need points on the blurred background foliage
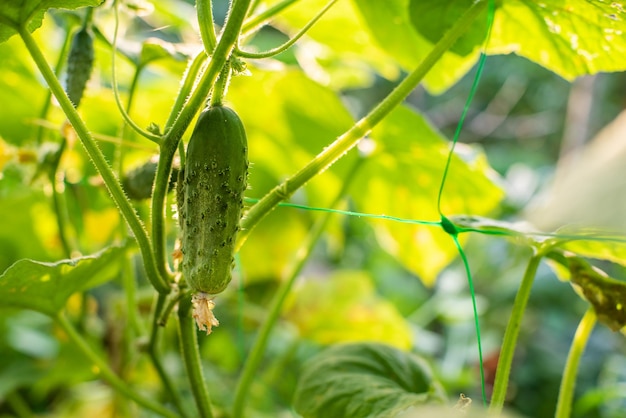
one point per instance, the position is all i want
(374, 280)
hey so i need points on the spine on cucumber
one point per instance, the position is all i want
(211, 204)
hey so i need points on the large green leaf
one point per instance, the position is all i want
(345, 308)
(363, 380)
(402, 179)
(569, 37)
(391, 25)
(46, 287)
(17, 13)
(432, 18)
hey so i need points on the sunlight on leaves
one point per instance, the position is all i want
(15, 13)
(46, 287)
(364, 380)
(569, 37)
(345, 308)
(432, 18)
(390, 24)
(404, 175)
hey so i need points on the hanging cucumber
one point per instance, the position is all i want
(211, 204)
(79, 64)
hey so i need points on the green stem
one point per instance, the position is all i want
(221, 86)
(155, 358)
(150, 136)
(191, 356)
(205, 23)
(96, 156)
(43, 115)
(255, 21)
(568, 383)
(164, 168)
(510, 335)
(170, 142)
(105, 371)
(282, 48)
(253, 6)
(57, 200)
(189, 80)
(349, 139)
(304, 252)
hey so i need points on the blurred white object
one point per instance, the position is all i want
(589, 188)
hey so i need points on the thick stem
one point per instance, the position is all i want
(302, 256)
(106, 373)
(96, 156)
(510, 336)
(349, 139)
(175, 133)
(191, 356)
(568, 383)
(43, 115)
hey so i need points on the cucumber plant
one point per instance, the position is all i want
(304, 146)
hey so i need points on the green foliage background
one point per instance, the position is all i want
(370, 280)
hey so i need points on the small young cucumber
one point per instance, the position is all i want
(213, 184)
(79, 65)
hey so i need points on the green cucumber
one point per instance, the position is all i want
(79, 65)
(212, 200)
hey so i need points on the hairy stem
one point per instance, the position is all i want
(221, 86)
(191, 356)
(568, 383)
(105, 371)
(511, 333)
(43, 115)
(187, 84)
(96, 156)
(302, 256)
(349, 139)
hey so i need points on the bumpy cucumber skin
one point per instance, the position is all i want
(79, 65)
(213, 184)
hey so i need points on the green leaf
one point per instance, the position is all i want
(433, 18)
(364, 380)
(17, 13)
(569, 37)
(46, 287)
(402, 179)
(345, 308)
(391, 25)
